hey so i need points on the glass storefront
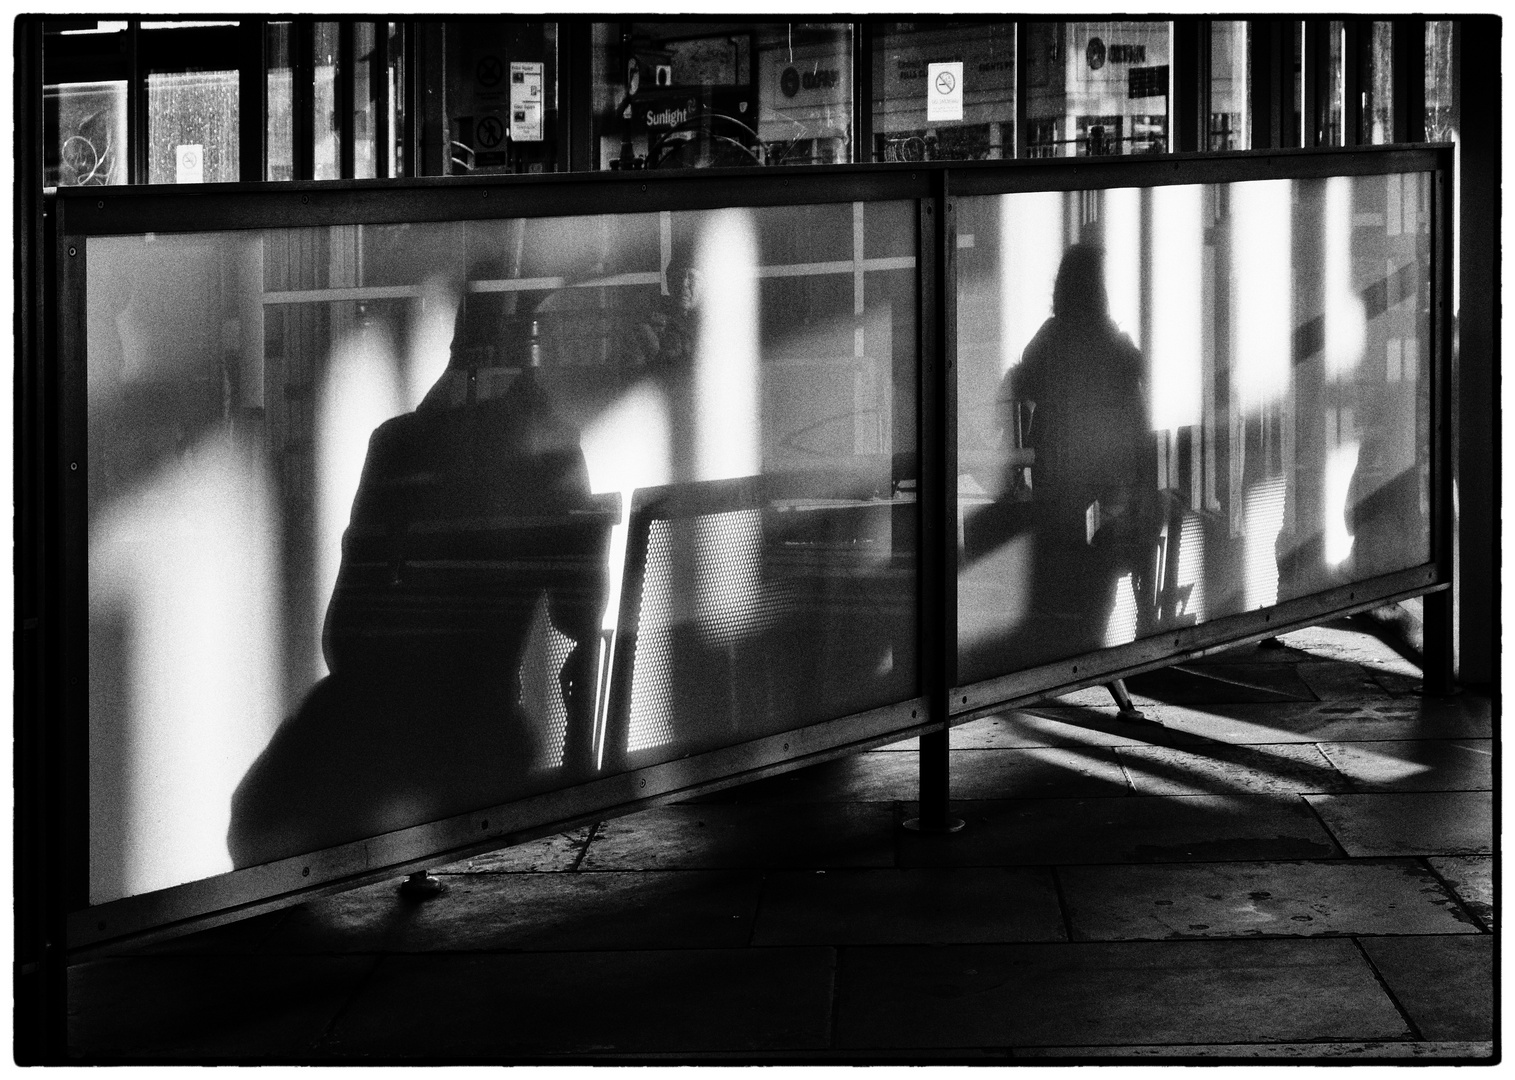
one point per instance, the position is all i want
(1097, 88)
(943, 91)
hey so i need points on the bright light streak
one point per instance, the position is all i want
(361, 391)
(1341, 463)
(1177, 306)
(1264, 510)
(1346, 320)
(1191, 565)
(1121, 625)
(430, 346)
(189, 565)
(625, 448)
(1262, 290)
(726, 399)
(1123, 258)
(1031, 246)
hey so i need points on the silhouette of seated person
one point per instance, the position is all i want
(1079, 448)
(471, 512)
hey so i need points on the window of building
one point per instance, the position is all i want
(1441, 100)
(943, 91)
(1097, 88)
(501, 97)
(1230, 127)
(696, 95)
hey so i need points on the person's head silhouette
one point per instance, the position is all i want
(1080, 287)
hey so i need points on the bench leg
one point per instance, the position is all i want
(1122, 697)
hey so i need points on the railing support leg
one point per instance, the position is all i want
(1437, 656)
(935, 807)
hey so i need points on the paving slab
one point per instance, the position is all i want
(1215, 683)
(1444, 984)
(1335, 680)
(1136, 829)
(545, 911)
(1038, 772)
(1282, 769)
(208, 1007)
(1366, 721)
(868, 777)
(240, 937)
(1348, 641)
(559, 852)
(1471, 877)
(1415, 765)
(949, 904)
(803, 835)
(1111, 994)
(1273, 899)
(1335, 1051)
(499, 1005)
(1064, 726)
(1410, 823)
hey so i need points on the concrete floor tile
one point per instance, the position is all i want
(1111, 994)
(1064, 726)
(1416, 765)
(1290, 899)
(1471, 877)
(1221, 684)
(207, 1007)
(1333, 680)
(1412, 823)
(879, 907)
(1348, 641)
(1039, 772)
(803, 835)
(1368, 721)
(1444, 984)
(500, 1005)
(1219, 769)
(243, 936)
(1140, 829)
(550, 853)
(1334, 1051)
(632, 910)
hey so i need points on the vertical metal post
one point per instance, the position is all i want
(1020, 141)
(1191, 84)
(1356, 76)
(412, 89)
(302, 97)
(862, 90)
(1476, 356)
(344, 95)
(576, 103)
(1315, 65)
(136, 106)
(937, 492)
(1409, 90)
(252, 100)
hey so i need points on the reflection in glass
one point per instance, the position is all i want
(902, 57)
(391, 523)
(1096, 88)
(1230, 117)
(1234, 413)
(86, 134)
(192, 127)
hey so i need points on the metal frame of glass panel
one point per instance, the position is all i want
(939, 702)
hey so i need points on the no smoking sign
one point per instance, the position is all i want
(944, 91)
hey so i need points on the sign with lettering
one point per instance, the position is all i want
(527, 106)
(944, 92)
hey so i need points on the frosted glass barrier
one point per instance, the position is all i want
(1181, 403)
(358, 513)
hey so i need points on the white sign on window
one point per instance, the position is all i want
(526, 104)
(944, 91)
(189, 166)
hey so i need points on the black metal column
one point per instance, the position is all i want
(576, 104)
(1476, 356)
(1191, 84)
(1357, 76)
(302, 95)
(1409, 80)
(378, 94)
(937, 492)
(862, 90)
(345, 94)
(252, 100)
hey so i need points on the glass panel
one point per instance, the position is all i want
(697, 95)
(380, 515)
(395, 97)
(1096, 88)
(328, 133)
(1181, 403)
(281, 129)
(85, 134)
(973, 122)
(502, 104)
(1441, 87)
(1378, 104)
(192, 127)
(1336, 39)
(1230, 117)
